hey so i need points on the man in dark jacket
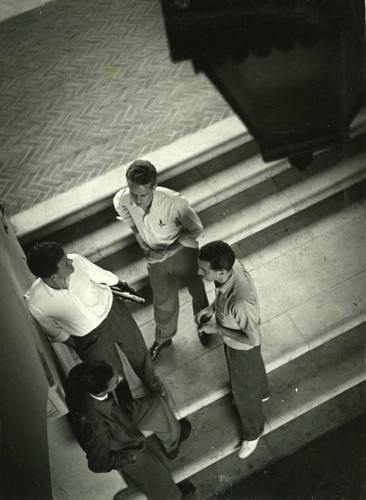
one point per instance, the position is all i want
(110, 433)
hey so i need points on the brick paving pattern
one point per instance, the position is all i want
(86, 86)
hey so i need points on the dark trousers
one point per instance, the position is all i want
(151, 473)
(248, 384)
(152, 413)
(119, 327)
(164, 279)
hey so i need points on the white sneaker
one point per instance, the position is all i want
(247, 448)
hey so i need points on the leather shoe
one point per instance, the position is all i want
(266, 397)
(187, 489)
(186, 428)
(204, 338)
(156, 348)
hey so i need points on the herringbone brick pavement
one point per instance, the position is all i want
(86, 86)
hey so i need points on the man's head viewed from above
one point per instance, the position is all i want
(215, 261)
(141, 178)
(48, 261)
(95, 377)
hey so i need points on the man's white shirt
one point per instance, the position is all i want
(77, 310)
(169, 219)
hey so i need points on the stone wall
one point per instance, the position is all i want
(10, 8)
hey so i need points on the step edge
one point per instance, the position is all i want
(173, 159)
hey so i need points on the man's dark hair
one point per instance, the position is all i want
(142, 172)
(218, 254)
(43, 259)
(91, 376)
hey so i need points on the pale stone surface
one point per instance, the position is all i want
(195, 385)
(291, 279)
(321, 419)
(281, 342)
(220, 476)
(313, 379)
(298, 230)
(311, 269)
(333, 312)
(96, 194)
(10, 8)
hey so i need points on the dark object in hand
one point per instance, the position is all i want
(204, 320)
(123, 286)
(123, 291)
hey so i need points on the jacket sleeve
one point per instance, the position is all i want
(95, 442)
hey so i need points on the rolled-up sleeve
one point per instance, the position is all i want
(119, 202)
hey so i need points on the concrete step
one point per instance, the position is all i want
(307, 258)
(285, 440)
(96, 195)
(204, 186)
(265, 204)
(309, 295)
(86, 210)
(305, 313)
(297, 388)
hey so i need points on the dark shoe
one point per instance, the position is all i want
(187, 489)
(156, 348)
(266, 397)
(204, 338)
(186, 428)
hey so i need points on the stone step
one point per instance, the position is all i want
(297, 388)
(277, 240)
(256, 209)
(96, 195)
(222, 144)
(102, 234)
(285, 440)
(309, 295)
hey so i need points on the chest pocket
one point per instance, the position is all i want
(166, 226)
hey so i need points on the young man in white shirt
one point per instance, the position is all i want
(166, 227)
(73, 302)
(237, 321)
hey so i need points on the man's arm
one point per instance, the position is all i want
(96, 273)
(245, 334)
(52, 328)
(96, 444)
(251, 339)
(124, 215)
(204, 315)
(191, 224)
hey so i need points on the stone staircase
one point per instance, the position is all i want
(302, 240)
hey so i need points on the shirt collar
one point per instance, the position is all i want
(103, 398)
(51, 290)
(225, 287)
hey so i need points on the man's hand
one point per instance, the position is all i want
(70, 342)
(204, 315)
(142, 243)
(210, 328)
(123, 286)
